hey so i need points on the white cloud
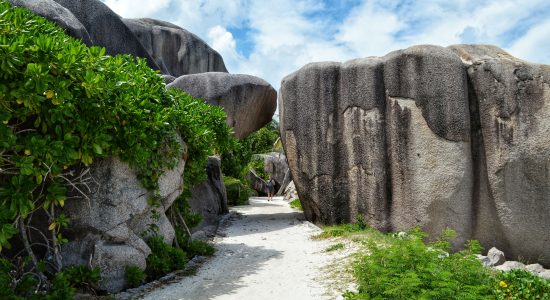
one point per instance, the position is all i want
(287, 34)
(137, 8)
(534, 45)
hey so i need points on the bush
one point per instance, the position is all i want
(63, 286)
(407, 268)
(237, 192)
(197, 247)
(257, 164)
(163, 258)
(65, 105)
(134, 276)
(236, 158)
(520, 284)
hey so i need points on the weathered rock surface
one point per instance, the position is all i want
(248, 101)
(290, 192)
(209, 198)
(52, 11)
(109, 224)
(535, 268)
(496, 257)
(176, 50)
(106, 29)
(257, 183)
(510, 265)
(427, 136)
(276, 166)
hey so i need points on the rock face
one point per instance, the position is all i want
(106, 29)
(209, 199)
(248, 101)
(276, 166)
(257, 183)
(176, 50)
(427, 136)
(109, 226)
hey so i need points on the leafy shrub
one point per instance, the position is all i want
(65, 105)
(296, 204)
(407, 268)
(82, 277)
(197, 247)
(236, 158)
(257, 165)
(63, 286)
(163, 258)
(134, 276)
(237, 192)
(520, 284)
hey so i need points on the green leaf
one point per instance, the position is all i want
(97, 149)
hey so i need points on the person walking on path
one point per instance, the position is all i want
(270, 188)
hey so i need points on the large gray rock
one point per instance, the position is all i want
(112, 260)
(106, 29)
(248, 101)
(209, 198)
(427, 136)
(116, 196)
(276, 166)
(511, 113)
(52, 11)
(257, 183)
(358, 133)
(176, 50)
(109, 224)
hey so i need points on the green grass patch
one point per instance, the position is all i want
(335, 247)
(296, 204)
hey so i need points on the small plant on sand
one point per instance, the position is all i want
(296, 204)
(134, 276)
(335, 247)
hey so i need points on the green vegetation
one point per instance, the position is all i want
(237, 158)
(63, 106)
(403, 266)
(296, 204)
(163, 258)
(335, 247)
(237, 191)
(257, 165)
(134, 276)
(17, 284)
(520, 284)
(197, 247)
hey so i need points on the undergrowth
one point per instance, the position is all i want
(404, 266)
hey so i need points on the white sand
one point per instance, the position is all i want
(267, 254)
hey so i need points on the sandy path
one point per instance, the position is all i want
(266, 254)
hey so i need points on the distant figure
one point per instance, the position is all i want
(270, 188)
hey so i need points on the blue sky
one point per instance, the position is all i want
(271, 39)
